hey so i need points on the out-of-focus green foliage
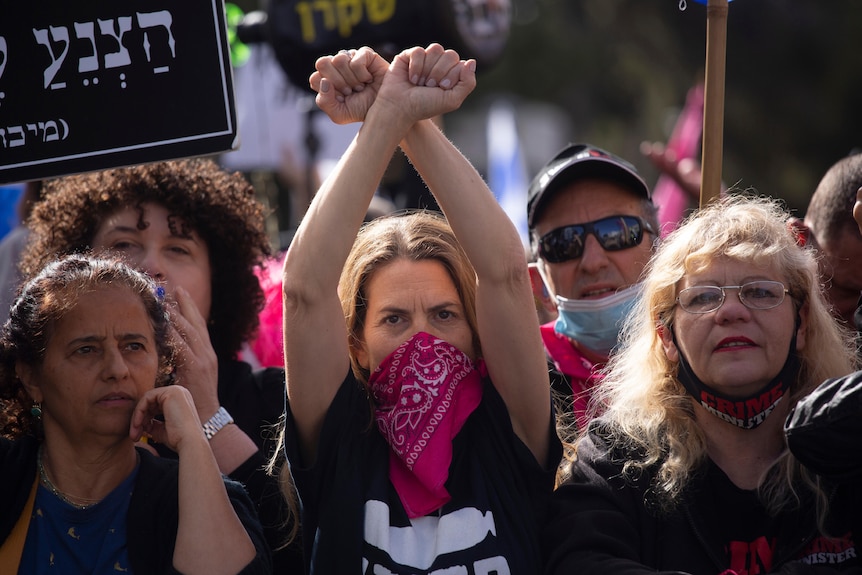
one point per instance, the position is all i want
(621, 68)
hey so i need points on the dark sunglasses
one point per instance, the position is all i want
(613, 234)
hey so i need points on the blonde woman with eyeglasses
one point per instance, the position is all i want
(687, 469)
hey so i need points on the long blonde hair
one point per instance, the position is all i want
(640, 395)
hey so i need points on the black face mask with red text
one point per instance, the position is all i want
(744, 412)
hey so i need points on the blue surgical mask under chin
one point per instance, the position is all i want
(596, 323)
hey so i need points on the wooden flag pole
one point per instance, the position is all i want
(713, 101)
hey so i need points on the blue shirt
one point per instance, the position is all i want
(68, 540)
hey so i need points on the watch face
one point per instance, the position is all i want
(482, 26)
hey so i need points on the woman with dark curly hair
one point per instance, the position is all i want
(199, 232)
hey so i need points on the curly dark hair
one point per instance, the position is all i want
(219, 206)
(47, 298)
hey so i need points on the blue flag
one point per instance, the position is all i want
(507, 171)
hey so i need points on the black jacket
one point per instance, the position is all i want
(153, 509)
(603, 524)
(824, 429)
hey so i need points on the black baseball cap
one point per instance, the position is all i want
(580, 161)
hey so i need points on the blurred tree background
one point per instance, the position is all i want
(617, 72)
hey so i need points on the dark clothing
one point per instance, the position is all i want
(354, 521)
(602, 523)
(824, 430)
(153, 511)
(255, 400)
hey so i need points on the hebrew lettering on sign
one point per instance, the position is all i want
(91, 85)
(59, 34)
(56, 39)
(156, 20)
(42, 132)
(121, 56)
(343, 15)
(4, 55)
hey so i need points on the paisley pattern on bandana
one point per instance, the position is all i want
(423, 391)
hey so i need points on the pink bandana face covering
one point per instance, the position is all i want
(423, 391)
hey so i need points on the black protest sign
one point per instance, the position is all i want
(301, 31)
(92, 85)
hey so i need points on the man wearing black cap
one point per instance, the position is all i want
(592, 227)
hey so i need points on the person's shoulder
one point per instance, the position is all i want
(597, 439)
(823, 428)
(604, 441)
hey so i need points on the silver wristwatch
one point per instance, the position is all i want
(216, 422)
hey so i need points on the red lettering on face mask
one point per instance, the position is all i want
(733, 408)
(764, 401)
(744, 409)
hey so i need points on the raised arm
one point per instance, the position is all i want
(198, 372)
(507, 321)
(315, 338)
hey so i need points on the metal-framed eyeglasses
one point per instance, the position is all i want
(762, 294)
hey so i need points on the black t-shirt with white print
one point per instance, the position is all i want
(353, 520)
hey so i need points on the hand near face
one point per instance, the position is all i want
(197, 364)
(177, 408)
